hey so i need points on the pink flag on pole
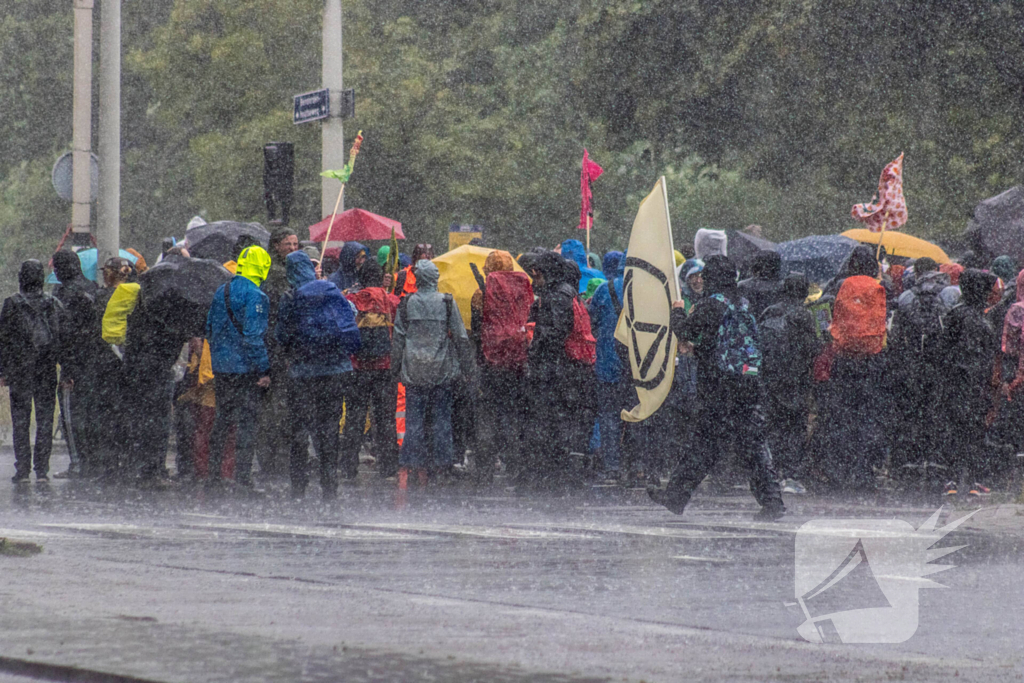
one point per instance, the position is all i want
(589, 172)
(888, 208)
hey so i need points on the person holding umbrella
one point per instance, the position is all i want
(235, 328)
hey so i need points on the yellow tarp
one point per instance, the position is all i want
(900, 244)
(457, 278)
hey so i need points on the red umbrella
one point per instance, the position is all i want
(355, 225)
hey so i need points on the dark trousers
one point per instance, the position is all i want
(109, 417)
(238, 398)
(788, 409)
(550, 430)
(375, 391)
(851, 418)
(148, 405)
(40, 389)
(502, 414)
(83, 425)
(729, 417)
(315, 405)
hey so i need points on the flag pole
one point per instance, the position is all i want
(588, 239)
(345, 173)
(881, 235)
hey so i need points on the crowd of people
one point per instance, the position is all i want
(896, 372)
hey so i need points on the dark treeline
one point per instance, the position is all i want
(776, 113)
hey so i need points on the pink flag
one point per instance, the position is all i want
(589, 172)
(888, 208)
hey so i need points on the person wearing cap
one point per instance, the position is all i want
(235, 327)
(30, 323)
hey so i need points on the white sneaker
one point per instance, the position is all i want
(793, 487)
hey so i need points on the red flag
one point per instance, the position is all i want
(589, 172)
(888, 208)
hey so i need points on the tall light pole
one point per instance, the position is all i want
(108, 214)
(81, 125)
(332, 151)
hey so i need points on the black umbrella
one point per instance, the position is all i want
(178, 292)
(743, 247)
(217, 240)
(998, 225)
(819, 257)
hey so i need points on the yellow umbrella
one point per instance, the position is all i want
(457, 277)
(900, 244)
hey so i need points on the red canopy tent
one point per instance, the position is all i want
(356, 225)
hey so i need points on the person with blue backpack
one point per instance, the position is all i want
(235, 328)
(725, 342)
(316, 329)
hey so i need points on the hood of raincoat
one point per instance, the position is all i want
(595, 261)
(498, 261)
(404, 260)
(573, 250)
(347, 263)
(975, 286)
(683, 272)
(953, 270)
(31, 276)
(862, 262)
(254, 264)
(708, 243)
(299, 269)
(426, 276)
(67, 266)
(1005, 268)
(382, 255)
(719, 274)
(592, 286)
(614, 265)
(678, 257)
(551, 266)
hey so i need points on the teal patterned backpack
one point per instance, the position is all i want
(736, 349)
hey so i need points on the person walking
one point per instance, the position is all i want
(235, 328)
(30, 345)
(317, 332)
(725, 341)
(429, 353)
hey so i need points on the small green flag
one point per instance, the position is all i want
(341, 174)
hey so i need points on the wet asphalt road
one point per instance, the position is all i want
(458, 585)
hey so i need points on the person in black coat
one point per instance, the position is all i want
(764, 289)
(969, 346)
(30, 323)
(81, 341)
(729, 413)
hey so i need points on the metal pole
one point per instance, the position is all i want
(108, 229)
(81, 125)
(332, 151)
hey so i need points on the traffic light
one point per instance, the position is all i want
(278, 178)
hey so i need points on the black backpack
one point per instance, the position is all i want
(40, 323)
(919, 325)
(780, 339)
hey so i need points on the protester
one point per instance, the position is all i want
(500, 312)
(80, 339)
(764, 288)
(350, 260)
(850, 400)
(430, 351)
(916, 378)
(30, 347)
(691, 282)
(405, 283)
(967, 354)
(726, 345)
(373, 389)
(235, 329)
(317, 331)
(557, 420)
(110, 412)
(272, 442)
(614, 379)
(789, 345)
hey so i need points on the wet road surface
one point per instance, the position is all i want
(457, 585)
